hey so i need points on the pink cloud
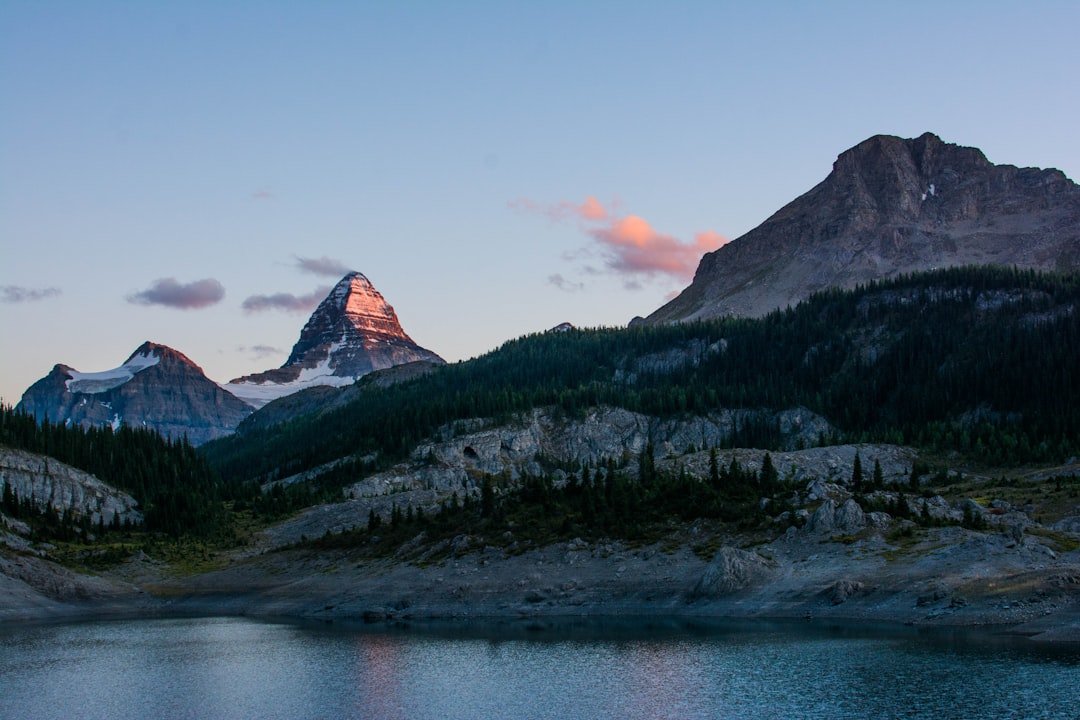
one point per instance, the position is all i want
(591, 210)
(633, 247)
(629, 245)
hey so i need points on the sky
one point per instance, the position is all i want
(199, 174)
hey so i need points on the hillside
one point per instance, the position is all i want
(976, 360)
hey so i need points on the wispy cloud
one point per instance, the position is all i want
(563, 284)
(591, 210)
(285, 302)
(327, 267)
(628, 245)
(260, 351)
(190, 296)
(17, 294)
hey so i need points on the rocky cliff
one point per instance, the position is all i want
(156, 387)
(51, 483)
(890, 206)
(353, 332)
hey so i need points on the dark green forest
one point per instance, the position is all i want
(177, 490)
(980, 360)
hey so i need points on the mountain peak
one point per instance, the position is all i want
(352, 332)
(354, 306)
(156, 387)
(146, 353)
(890, 205)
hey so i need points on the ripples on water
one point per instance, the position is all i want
(238, 668)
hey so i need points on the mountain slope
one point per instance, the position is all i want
(156, 387)
(889, 206)
(980, 360)
(353, 332)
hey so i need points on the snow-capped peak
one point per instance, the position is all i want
(352, 332)
(98, 382)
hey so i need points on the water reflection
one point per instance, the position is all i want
(237, 668)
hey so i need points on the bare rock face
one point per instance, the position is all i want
(824, 518)
(157, 388)
(353, 332)
(731, 570)
(889, 206)
(51, 483)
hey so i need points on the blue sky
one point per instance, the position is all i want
(495, 168)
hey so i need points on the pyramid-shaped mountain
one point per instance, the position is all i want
(353, 332)
(890, 206)
(157, 387)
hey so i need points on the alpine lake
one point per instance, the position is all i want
(235, 667)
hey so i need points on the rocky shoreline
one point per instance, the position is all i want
(951, 577)
(997, 553)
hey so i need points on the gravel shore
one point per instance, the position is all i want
(944, 577)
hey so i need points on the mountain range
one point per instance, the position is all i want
(890, 206)
(857, 456)
(353, 332)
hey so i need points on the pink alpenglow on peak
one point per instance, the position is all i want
(353, 332)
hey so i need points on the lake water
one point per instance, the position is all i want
(241, 668)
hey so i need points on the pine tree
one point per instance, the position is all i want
(856, 474)
(770, 478)
(487, 498)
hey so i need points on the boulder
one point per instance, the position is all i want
(824, 518)
(849, 518)
(841, 590)
(731, 570)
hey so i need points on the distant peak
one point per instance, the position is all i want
(156, 350)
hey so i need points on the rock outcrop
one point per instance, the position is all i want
(157, 387)
(51, 483)
(353, 332)
(731, 570)
(890, 206)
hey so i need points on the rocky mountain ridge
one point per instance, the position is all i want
(157, 387)
(889, 206)
(353, 332)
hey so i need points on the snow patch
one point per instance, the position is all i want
(90, 383)
(259, 394)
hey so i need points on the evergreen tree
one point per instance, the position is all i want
(770, 478)
(879, 476)
(857, 474)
